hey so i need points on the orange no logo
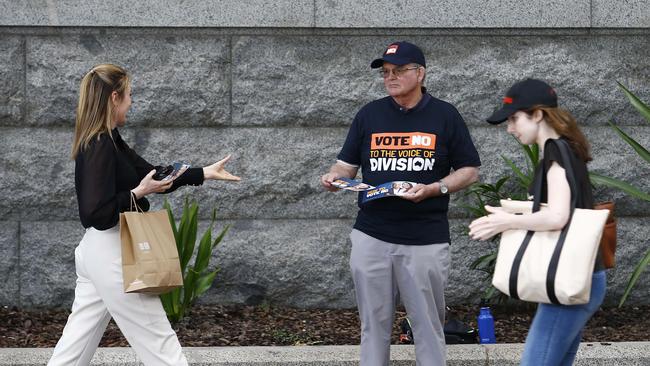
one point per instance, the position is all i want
(402, 141)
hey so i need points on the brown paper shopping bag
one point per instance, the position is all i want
(150, 261)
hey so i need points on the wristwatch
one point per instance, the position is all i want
(443, 188)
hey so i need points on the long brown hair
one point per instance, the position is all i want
(94, 110)
(566, 126)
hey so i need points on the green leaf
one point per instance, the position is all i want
(175, 303)
(189, 284)
(486, 187)
(532, 153)
(643, 153)
(490, 292)
(636, 102)
(524, 180)
(500, 183)
(205, 251)
(205, 246)
(481, 203)
(188, 235)
(483, 261)
(166, 301)
(172, 221)
(492, 198)
(194, 223)
(182, 230)
(635, 277)
(476, 212)
(619, 184)
(205, 282)
(485, 264)
(219, 237)
(473, 189)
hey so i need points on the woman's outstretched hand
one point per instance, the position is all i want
(217, 171)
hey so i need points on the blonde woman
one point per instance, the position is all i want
(108, 175)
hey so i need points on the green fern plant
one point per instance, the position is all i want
(514, 186)
(197, 278)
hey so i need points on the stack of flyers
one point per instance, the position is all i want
(351, 185)
(389, 189)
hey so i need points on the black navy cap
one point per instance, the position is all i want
(400, 53)
(522, 96)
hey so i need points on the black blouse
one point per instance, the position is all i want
(106, 172)
(585, 197)
(552, 153)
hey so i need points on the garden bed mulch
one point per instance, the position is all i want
(216, 325)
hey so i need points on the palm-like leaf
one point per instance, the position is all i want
(643, 153)
(189, 287)
(636, 102)
(475, 211)
(626, 187)
(532, 154)
(172, 221)
(188, 234)
(205, 282)
(616, 183)
(635, 277)
(524, 179)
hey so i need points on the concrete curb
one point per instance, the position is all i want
(592, 354)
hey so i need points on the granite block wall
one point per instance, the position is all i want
(277, 85)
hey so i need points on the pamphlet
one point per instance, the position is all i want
(388, 189)
(351, 185)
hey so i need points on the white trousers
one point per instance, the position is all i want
(99, 295)
(383, 272)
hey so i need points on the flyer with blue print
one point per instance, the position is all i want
(389, 189)
(351, 185)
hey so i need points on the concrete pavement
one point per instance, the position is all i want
(589, 354)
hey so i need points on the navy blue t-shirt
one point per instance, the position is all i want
(421, 145)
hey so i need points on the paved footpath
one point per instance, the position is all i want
(590, 354)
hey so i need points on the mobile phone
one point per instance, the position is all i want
(177, 169)
(162, 172)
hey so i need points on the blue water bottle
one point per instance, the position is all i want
(486, 326)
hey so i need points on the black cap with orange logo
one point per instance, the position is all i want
(400, 53)
(522, 96)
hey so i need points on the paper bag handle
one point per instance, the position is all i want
(134, 203)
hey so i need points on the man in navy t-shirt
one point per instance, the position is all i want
(400, 245)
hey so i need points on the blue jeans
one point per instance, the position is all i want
(554, 336)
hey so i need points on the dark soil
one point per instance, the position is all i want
(266, 326)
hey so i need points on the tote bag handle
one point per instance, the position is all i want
(537, 192)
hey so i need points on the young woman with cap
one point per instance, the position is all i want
(533, 117)
(108, 176)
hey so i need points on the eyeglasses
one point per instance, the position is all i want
(398, 71)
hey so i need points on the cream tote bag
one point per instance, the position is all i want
(550, 266)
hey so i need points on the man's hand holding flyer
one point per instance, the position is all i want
(389, 189)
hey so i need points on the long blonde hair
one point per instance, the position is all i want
(95, 110)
